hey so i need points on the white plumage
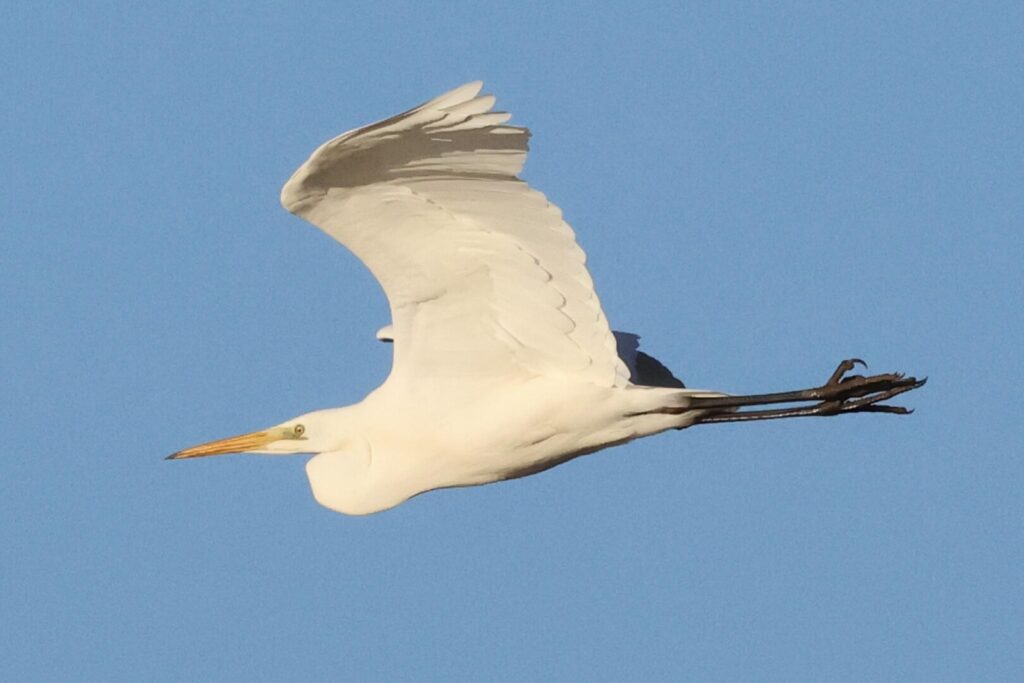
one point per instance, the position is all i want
(504, 363)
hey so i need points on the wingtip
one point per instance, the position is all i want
(463, 93)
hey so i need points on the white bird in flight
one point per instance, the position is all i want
(504, 364)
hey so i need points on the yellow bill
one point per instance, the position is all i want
(233, 444)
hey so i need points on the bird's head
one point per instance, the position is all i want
(309, 433)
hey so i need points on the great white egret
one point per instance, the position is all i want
(504, 364)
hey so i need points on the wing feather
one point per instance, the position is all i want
(484, 277)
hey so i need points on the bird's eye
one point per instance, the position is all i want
(298, 430)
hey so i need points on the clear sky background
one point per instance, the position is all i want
(762, 191)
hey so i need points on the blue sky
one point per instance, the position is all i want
(762, 190)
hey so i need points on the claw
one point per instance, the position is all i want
(843, 368)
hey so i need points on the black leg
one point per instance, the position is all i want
(840, 394)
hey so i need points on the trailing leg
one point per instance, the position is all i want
(842, 393)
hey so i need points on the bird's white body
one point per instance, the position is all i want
(504, 363)
(399, 442)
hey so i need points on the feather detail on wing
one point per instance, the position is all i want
(484, 278)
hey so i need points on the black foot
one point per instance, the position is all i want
(859, 394)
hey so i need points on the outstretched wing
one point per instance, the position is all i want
(484, 278)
